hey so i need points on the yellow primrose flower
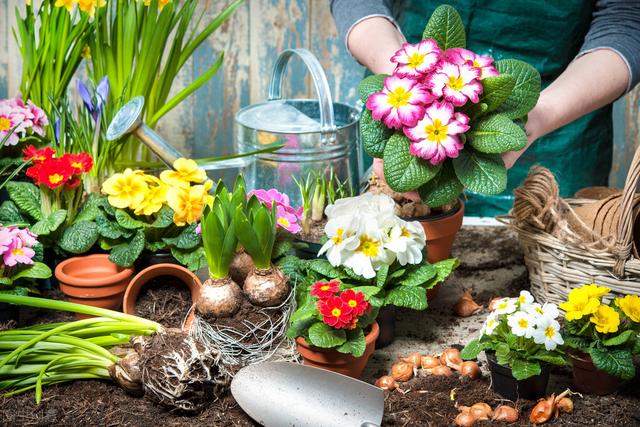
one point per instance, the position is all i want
(90, 6)
(125, 190)
(185, 171)
(606, 319)
(630, 306)
(154, 198)
(187, 203)
(595, 291)
(67, 4)
(579, 305)
(161, 3)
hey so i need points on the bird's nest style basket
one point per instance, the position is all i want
(562, 251)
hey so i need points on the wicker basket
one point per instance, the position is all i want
(558, 264)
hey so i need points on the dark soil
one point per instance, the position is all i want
(427, 402)
(316, 232)
(246, 319)
(101, 403)
(165, 300)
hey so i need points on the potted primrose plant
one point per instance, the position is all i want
(520, 339)
(373, 251)
(317, 191)
(442, 120)
(602, 338)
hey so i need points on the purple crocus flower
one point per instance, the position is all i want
(87, 99)
(102, 93)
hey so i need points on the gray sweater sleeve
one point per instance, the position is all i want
(616, 26)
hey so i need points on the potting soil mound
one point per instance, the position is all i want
(427, 402)
(249, 322)
(165, 300)
(316, 231)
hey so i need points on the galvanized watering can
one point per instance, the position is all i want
(317, 135)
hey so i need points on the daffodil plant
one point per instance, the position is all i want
(442, 119)
(142, 212)
(607, 331)
(523, 334)
(368, 247)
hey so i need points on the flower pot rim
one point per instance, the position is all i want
(71, 280)
(371, 337)
(544, 367)
(186, 277)
(438, 217)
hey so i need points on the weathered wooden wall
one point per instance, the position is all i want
(251, 40)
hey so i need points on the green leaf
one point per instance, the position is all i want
(381, 275)
(413, 297)
(79, 237)
(192, 259)
(444, 189)
(445, 267)
(576, 342)
(525, 91)
(375, 134)
(403, 171)
(164, 218)
(370, 85)
(156, 246)
(497, 134)
(27, 197)
(325, 268)
(471, 350)
(446, 27)
(619, 339)
(127, 221)
(618, 363)
(419, 276)
(37, 270)
(522, 369)
(496, 90)
(187, 239)
(91, 208)
(126, 253)
(10, 214)
(324, 336)
(368, 291)
(49, 224)
(282, 247)
(551, 358)
(481, 173)
(355, 344)
(110, 229)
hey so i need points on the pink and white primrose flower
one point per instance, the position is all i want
(435, 137)
(6, 239)
(416, 60)
(456, 83)
(400, 103)
(26, 236)
(460, 56)
(39, 119)
(9, 119)
(17, 253)
(287, 217)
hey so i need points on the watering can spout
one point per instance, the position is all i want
(128, 120)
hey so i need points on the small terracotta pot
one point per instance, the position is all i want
(332, 360)
(93, 280)
(141, 279)
(589, 379)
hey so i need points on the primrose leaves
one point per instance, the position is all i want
(445, 27)
(525, 91)
(402, 170)
(480, 172)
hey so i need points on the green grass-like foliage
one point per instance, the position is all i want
(256, 230)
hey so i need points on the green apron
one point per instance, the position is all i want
(548, 35)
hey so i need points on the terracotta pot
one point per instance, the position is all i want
(332, 360)
(441, 231)
(93, 280)
(503, 383)
(589, 379)
(141, 279)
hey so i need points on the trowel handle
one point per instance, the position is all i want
(368, 424)
(327, 120)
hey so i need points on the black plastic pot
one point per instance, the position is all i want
(9, 313)
(503, 383)
(148, 259)
(307, 250)
(387, 323)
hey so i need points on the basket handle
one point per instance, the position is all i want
(327, 120)
(624, 237)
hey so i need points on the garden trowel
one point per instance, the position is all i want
(279, 394)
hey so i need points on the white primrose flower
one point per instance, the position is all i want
(490, 324)
(522, 324)
(370, 254)
(343, 239)
(407, 241)
(542, 312)
(379, 206)
(548, 333)
(525, 299)
(506, 306)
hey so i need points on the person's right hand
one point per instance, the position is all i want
(378, 171)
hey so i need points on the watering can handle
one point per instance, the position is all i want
(327, 122)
